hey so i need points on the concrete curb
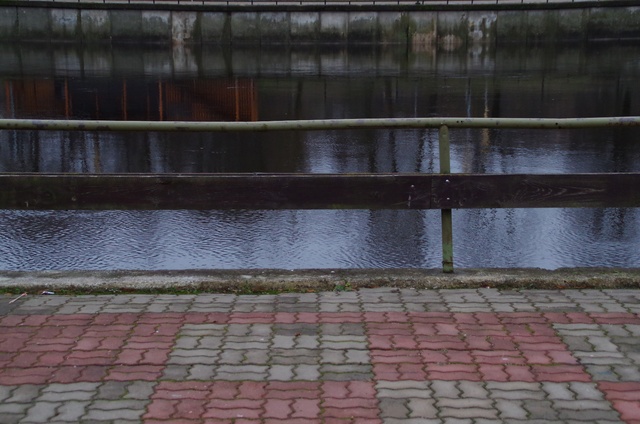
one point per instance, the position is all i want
(269, 280)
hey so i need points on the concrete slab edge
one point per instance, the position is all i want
(275, 280)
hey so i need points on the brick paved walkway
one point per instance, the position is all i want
(370, 356)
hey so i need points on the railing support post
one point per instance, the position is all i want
(445, 214)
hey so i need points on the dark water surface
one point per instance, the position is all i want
(153, 83)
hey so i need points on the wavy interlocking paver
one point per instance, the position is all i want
(369, 356)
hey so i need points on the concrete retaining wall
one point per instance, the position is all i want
(429, 28)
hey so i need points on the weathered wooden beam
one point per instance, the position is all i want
(316, 191)
(536, 191)
(213, 191)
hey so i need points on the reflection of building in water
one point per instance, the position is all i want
(133, 99)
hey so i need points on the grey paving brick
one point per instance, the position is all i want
(292, 308)
(201, 372)
(445, 389)
(557, 307)
(415, 307)
(331, 307)
(586, 391)
(307, 372)
(540, 409)
(356, 356)
(467, 412)
(509, 408)
(241, 372)
(422, 408)
(307, 342)
(345, 368)
(404, 389)
(583, 404)
(114, 414)
(383, 307)
(295, 356)
(465, 403)
(601, 373)
(472, 389)
(141, 390)
(345, 329)
(175, 372)
(626, 373)
(505, 307)
(123, 309)
(450, 420)
(281, 372)
(558, 391)
(331, 356)
(187, 342)
(602, 344)
(25, 393)
(296, 329)
(114, 405)
(112, 390)
(62, 396)
(193, 356)
(393, 408)
(588, 415)
(577, 343)
(469, 307)
(10, 418)
(580, 329)
(602, 358)
(627, 344)
(633, 329)
(210, 342)
(214, 307)
(410, 421)
(516, 390)
(14, 409)
(253, 357)
(41, 412)
(343, 342)
(581, 421)
(71, 411)
(244, 345)
(5, 392)
(283, 342)
(198, 330)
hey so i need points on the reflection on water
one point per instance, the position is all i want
(250, 84)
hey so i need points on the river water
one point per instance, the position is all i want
(249, 83)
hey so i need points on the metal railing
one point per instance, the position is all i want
(321, 2)
(444, 191)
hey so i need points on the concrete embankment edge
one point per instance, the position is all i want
(418, 26)
(267, 281)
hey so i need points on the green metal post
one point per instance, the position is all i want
(446, 219)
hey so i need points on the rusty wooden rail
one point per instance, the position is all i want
(444, 191)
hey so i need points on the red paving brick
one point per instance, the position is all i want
(518, 347)
(625, 398)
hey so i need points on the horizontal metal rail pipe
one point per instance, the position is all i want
(318, 124)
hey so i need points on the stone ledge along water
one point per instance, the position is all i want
(304, 280)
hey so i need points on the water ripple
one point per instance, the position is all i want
(545, 238)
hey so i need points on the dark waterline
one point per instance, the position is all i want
(311, 83)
